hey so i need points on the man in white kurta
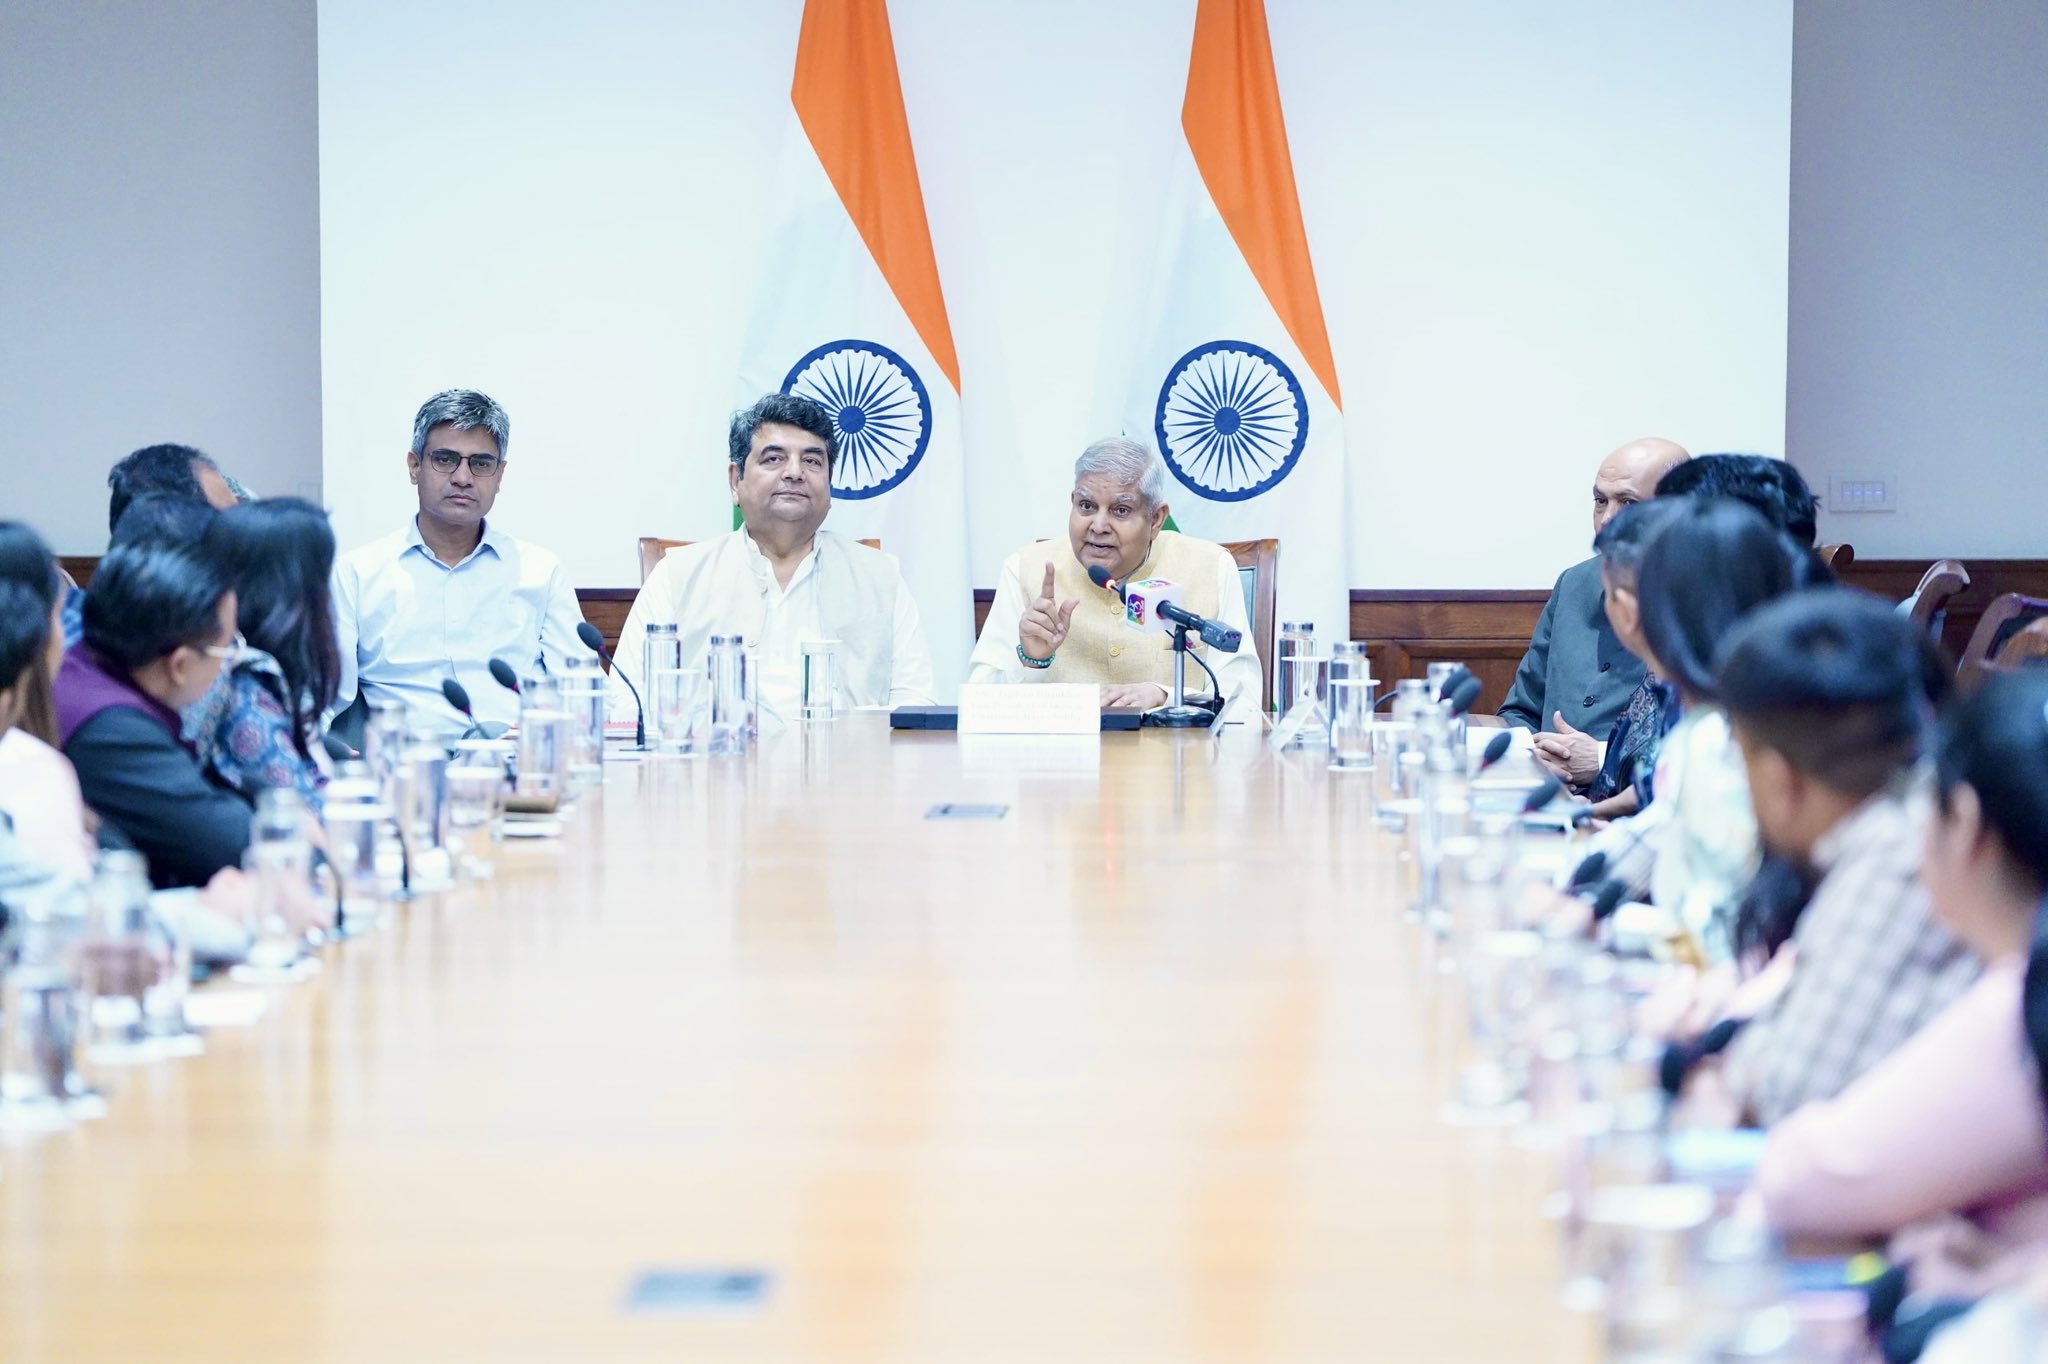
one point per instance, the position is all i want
(781, 580)
(1050, 623)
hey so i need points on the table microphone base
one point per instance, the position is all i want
(1180, 717)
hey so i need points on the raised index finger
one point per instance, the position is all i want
(1046, 591)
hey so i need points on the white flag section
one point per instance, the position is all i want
(833, 318)
(1251, 428)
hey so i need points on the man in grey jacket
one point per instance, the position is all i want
(1577, 677)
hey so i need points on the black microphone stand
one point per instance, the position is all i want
(1177, 713)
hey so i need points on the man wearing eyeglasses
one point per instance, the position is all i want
(452, 591)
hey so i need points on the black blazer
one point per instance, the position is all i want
(143, 781)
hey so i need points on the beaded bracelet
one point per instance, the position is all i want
(1030, 662)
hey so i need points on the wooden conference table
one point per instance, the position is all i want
(1146, 1069)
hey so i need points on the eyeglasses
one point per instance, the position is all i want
(227, 653)
(480, 466)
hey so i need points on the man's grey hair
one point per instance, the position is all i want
(1123, 460)
(465, 409)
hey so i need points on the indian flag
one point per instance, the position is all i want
(1234, 377)
(849, 312)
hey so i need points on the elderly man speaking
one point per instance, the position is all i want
(1050, 623)
(1576, 677)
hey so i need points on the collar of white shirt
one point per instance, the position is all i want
(764, 572)
(494, 540)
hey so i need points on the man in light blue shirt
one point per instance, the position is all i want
(452, 591)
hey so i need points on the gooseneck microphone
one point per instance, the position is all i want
(337, 748)
(457, 696)
(1099, 575)
(1464, 694)
(1496, 748)
(502, 674)
(594, 642)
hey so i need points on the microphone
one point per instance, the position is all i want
(1153, 602)
(457, 696)
(502, 674)
(337, 749)
(1612, 893)
(594, 642)
(1542, 795)
(1099, 575)
(1464, 694)
(1587, 872)
(1496, 748)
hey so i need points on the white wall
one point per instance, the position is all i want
(159, 248)
(1919, 299)
(1539, 230)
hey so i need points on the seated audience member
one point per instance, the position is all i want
(159, 626)
(1954, 1120)
(27, 872)
(168, 471)
(1576, 677)
(1775, 489)
(1773, 486)
(262, 729)
(1050, 623)
(39, 796)
(1695, 848)
(1830, 695)
(163, 519)
(1630, 753)
(176, 471)
(452, 591)
(781, 578)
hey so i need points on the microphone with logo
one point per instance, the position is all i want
(1154, 606)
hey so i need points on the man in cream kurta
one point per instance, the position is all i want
(1050, 623)
(780, 580)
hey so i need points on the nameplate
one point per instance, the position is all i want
(1030, 708)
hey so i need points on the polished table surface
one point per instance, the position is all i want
(1147, 1069)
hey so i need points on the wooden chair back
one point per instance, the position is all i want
(1942, 580)
(1837, 556)
(1258, 567)
(1991, 641)
(652, 547)
(2030, 645)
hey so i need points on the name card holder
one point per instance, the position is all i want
(1030, 708)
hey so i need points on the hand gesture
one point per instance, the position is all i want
(1574, 757)
(1044, 626)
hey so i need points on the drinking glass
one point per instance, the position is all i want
(352, 817)
(278, 864)
(583, 698)
(476, 792)
(678, 700)
(660, 652)
(1351, 728)
(40, 1087)
(117, 961)
(163, 1003)
(819, 656)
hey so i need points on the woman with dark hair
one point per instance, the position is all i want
(38, 790)
(1956, 1120)
(260, 728)
(1695, 848)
